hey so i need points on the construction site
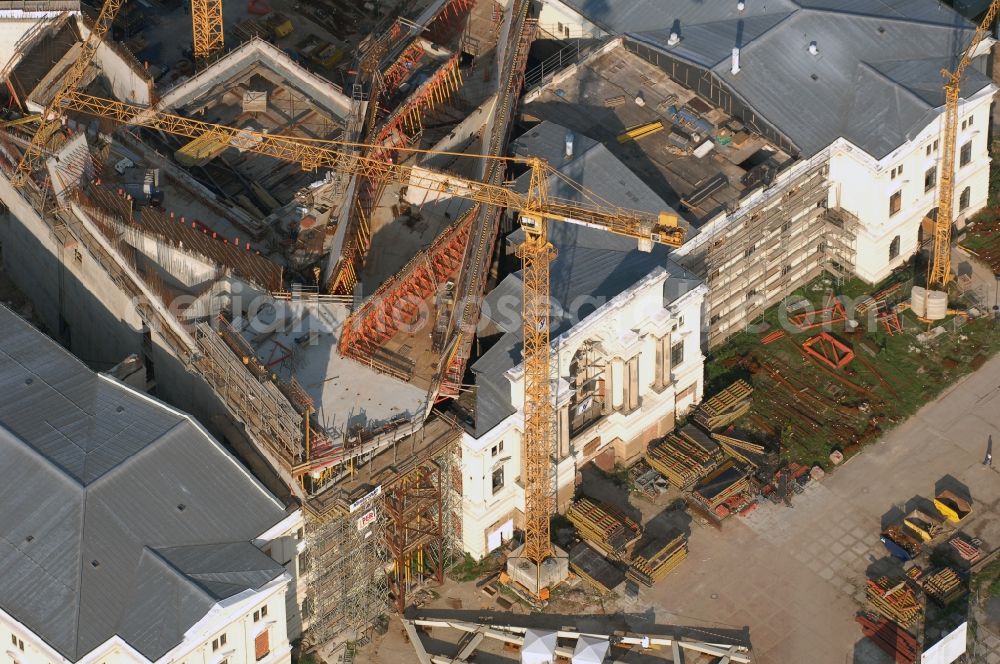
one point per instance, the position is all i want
(462, 278)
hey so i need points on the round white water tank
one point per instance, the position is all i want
(929, 305)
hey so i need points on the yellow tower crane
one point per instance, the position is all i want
(535, 208)
(207, 30)
(34, 155)
(939, 271)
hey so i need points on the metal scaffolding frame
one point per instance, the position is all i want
(770, 248)
(381, 545)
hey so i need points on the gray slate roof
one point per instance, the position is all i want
(877, 75)
(93, 541)
(591, 266)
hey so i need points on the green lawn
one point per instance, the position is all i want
(815, 412)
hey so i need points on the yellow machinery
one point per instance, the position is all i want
(939, 271)
(535, 207)
(206, 28)
(34, 155)
(640, 131)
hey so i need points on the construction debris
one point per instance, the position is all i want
(894, 601)
(725, 407)
(604, 527)
(656, 559)
(684, 456)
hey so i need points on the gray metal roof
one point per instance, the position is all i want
(591, 266)
(872, 83)
(98, 486)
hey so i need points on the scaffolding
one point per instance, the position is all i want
(759, 255)
(383, 532)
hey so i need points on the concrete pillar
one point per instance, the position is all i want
(617, 382)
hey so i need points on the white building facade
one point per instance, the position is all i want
(248, 627)
(625, 373)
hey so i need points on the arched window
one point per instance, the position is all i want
(894, 248)
(965, 199)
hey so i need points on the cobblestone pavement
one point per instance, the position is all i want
(796, 575)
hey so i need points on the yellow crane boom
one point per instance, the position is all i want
(536, 207)
(339, 156)
(939, 271)
(207, 29)
(34, 155)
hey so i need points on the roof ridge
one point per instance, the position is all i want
(965, 24)
(892, 83)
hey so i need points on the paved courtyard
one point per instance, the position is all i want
(796, 575)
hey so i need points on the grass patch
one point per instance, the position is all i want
(987, 580)
(810, 411)
(470, 569)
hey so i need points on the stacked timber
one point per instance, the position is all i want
(725, 407)
(657, 559)
(725, 482)
(594, 568)
(943, 586)
(684, 456)
(894, 601)
(892, 639)
(744, 450)
(605, 527)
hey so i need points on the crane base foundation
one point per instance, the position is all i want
(534, 580)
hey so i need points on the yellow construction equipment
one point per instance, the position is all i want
(939, 271)
(207, 29)
(536, 208)
(27, 119)
(34, 155)
(640, 131)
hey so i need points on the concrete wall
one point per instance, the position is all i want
(565, 22)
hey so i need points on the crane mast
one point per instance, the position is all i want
(939, 271)
(206, 29)
(536, 208)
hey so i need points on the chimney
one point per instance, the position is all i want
(813, 48)
(674, 39)
(569, 145)
(736, 60)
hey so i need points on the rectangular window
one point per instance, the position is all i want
(676, 353)
(964, 124)
(895, 203)
(256, 616)
(966, 154)
(965, 199)
(936, 145)
(930, 178)
(494, 451)
(263, 611)
(928, 149)
(497, 479)
(500, 446)
(972, 119)
(261, 646)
